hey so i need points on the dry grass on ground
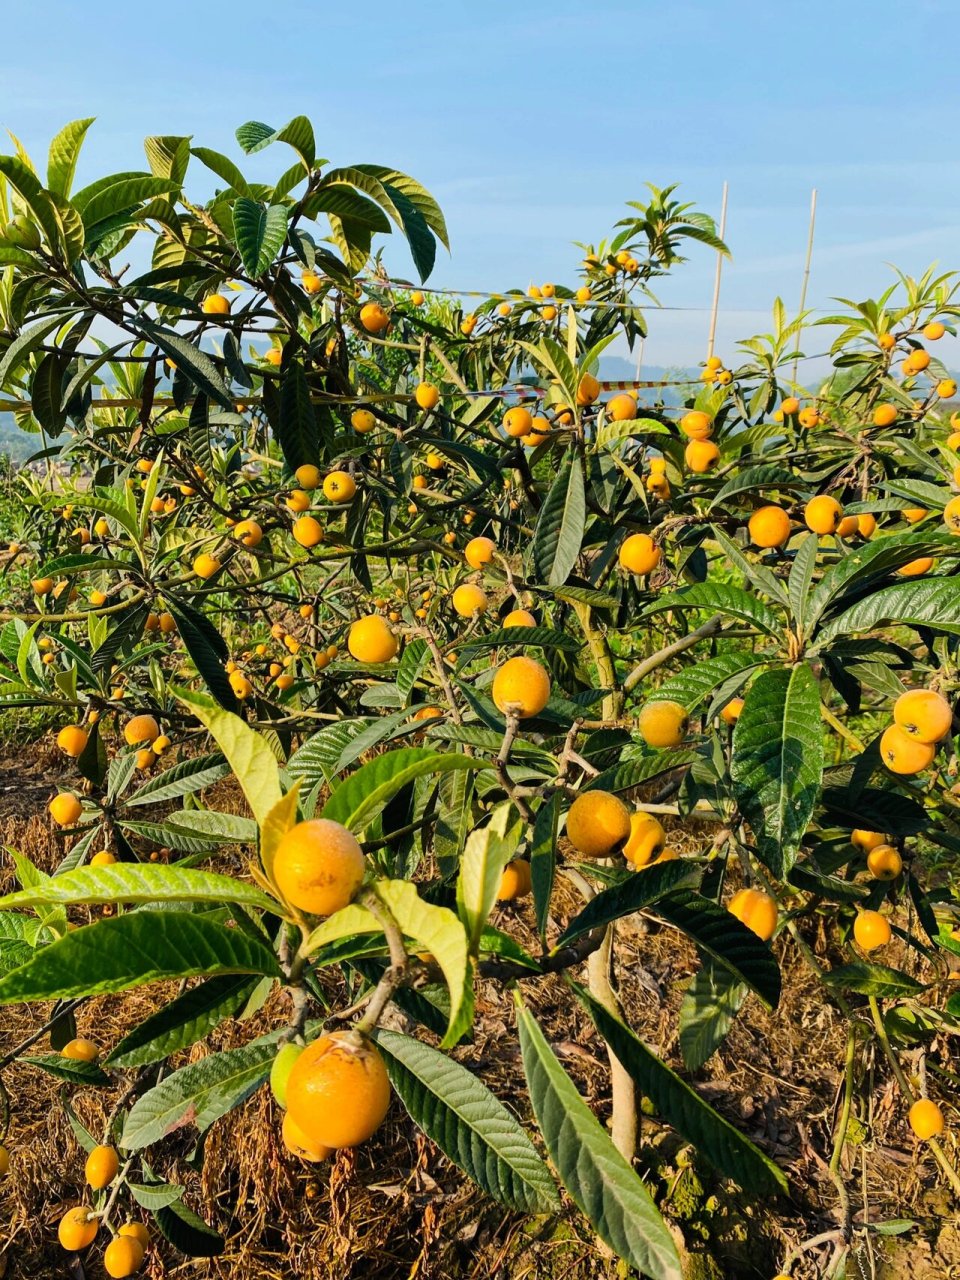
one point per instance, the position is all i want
(398, 1209)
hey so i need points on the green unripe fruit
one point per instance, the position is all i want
(280, 1071)
(22, 233)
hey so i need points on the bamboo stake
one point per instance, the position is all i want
(806, 272)
(716, 280)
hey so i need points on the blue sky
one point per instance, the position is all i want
(534, 122)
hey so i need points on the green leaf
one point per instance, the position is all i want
(559, 533)
(195, 830)
(629, 774)
(198, 1094)
(296, 427)
(639, 890)
(139, 882)
(38, 201)
(468, 1123)
(543, 858)
(872, 980)
(183, 1022)
(208, 651)
(248, 754)
(121, 196)
(132, 949)
(707, 1012)
(365, 794)
(487, 851)
(506, 637)
(718, 597)
(722, 936)
(437, 929)
(259, 233)
(930, 602)
(423, 247)
(26, 344)
(187, 1232)
(777, 762)
(697, 682)
(74, 1072)
(191, 362)
(865, 565)
(731, 1154)
(184, 778)
(601, 1183)
(154, 1195)
(762, 480)
(224, 168)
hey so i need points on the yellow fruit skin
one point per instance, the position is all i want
(4, 1161)
(916, 568)
(362, 421)
(517, 422)
(136, 1231)
(122, 1257)
(72, 739)
(307, 531)
(903, 754)
(479, 552)
(101, 1167)
(338, 1093)
(757, 910)
(866, 840)
(339, 487)
(639, 554)
(521, 685)
(373, 317)
(65, 809)
(823, 514)
(469, 599)
(926, 1119)
(515, 882)
(871, 930)
(298, 1144)
(371, 640)
(696, 425)
(426, 396)
(520, 618)
(622, 408)
(319, 866)
(74, 1231)
(646, 840)
(598, 823)
(80, 1051)
(140, 729)
(662, 724)
(769, 527)
(730, 714)
(205, 566)
(924, 715)
(884, 862)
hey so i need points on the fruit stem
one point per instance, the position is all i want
(848, 1081)
(909, 1096)
(503, 756)
(395, 973)
(623, 1112)
(606, 670)
(709, 628)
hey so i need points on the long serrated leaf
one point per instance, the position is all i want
(727, 1149)
(132, 949)
(600, 1181)
(777, 762)
(468, 1123)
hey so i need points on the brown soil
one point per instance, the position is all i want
(396, 1209)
